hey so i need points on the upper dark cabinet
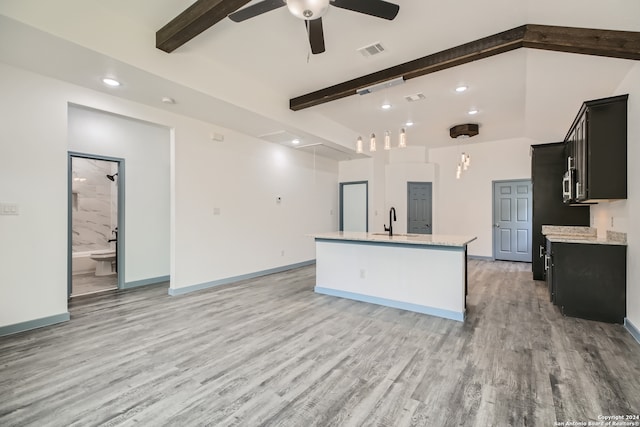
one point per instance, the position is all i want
(597, 151)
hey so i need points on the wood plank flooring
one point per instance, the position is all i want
(271, 352)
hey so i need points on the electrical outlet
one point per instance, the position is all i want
(282, 252)
(612, 221)
(362, 274)
(216, 211)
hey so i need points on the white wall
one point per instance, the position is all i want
(241, 176)
(362, 170)
(397, 177)
(465, 205)
(626, 212)
(145, 149)
(462, 207)
(33, 174)
(387, 173)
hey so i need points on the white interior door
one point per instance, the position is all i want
(353, 206)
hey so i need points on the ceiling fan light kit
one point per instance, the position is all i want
(311, 11)
(308, 9)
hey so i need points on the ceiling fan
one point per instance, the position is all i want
(311, 12)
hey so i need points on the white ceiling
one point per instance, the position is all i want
(241, 75)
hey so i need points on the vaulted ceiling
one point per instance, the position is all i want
(244, 74)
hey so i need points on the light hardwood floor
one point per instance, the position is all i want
(269, 351)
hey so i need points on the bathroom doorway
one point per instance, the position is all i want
(96, 224)
(354, 206)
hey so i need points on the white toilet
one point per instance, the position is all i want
(105, 260)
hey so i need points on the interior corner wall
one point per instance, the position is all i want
(241, 177)
(145, 149)
(623, 212)
(465, 205)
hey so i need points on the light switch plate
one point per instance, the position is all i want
(8, 209)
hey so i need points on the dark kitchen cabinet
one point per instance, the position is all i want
(588, 280)
(548, 164)
(548, 267)
(597, 150)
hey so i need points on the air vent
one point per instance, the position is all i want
(415, 97)
(372, 49)
(279, 137)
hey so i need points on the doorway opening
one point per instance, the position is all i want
(95, 224)
(512, 220)
(354, 206)
(419, 208)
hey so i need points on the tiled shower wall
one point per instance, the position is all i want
(94, 204)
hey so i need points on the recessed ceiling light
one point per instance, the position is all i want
(473, 111)
(409, 123)
(295, 141)
(111, 82)
(386, 106)
(461, 88)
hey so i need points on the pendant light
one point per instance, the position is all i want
(460, 133)
(402, 141)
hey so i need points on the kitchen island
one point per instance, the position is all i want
(424, 273)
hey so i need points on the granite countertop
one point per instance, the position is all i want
(412, 239)
(569, 230)
(586, 235)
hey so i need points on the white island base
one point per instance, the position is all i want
(421, 273)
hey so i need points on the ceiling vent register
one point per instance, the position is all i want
(415, 97)
(372, 49)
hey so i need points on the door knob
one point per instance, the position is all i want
(496, 225)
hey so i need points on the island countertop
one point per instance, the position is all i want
(412, 239)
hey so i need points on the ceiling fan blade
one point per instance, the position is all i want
(378, 8)
(316, 35)
(256, 9)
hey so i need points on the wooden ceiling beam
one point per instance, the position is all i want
(609, 43)
(587, 41)
(197, 18)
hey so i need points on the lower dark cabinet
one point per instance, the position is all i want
(588, 280)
